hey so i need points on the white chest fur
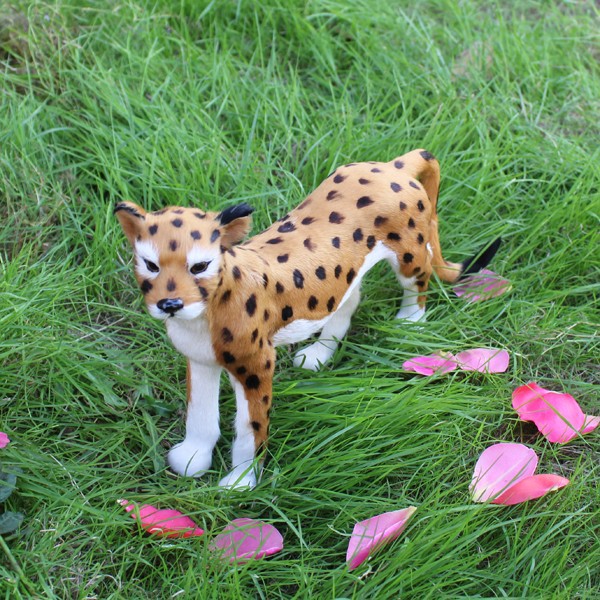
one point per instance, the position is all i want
(192, 339)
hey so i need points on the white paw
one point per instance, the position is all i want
(413, 313)
(314, 356)
(241, 477)
(190, 458)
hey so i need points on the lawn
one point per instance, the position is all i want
(204, 103)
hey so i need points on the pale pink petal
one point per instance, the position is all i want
(428, 365)
(557, 415)
(499, 467)
(484, 360)
(4, 440)
(245, 539)
(164, 523)
(369, 535)
(530, 488)
(482, 286)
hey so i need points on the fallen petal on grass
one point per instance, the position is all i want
(429, 365)
(484, 360)
(482, 286)
(557, 415)
(504, 474)
(164, 522)
(245, 539)
(530, 488)
(4, 440)
(370, 535)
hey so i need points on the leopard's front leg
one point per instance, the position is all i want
(253, 384)
(193, 456)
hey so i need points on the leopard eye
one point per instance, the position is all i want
(152, 267)
(198, 268)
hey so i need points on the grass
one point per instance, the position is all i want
(209, 103)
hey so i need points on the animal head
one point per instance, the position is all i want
(178, 253)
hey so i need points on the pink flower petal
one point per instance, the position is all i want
(164, 523)
(556, 415)
(482, 286)
(245, 539)
(428, 365)
(484, 360)
(530, 488)
(499, 468)
(369, 535)
(4, 440)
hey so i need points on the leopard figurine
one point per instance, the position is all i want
(228, 305)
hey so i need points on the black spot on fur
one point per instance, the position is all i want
(339, 178)
(226, 335)
(265, 280)
(255, 424)
(379, 221)
(241, 370)
(330, 303)
(298, 279)
(350, 276)
(268, 365)
(173, 244)
(420, 206)
(416, 270)
(308, 221)
(335, 218)
(231, 252)
(312, 302)
(226, 297)
(375, 170)
(153, 229)
(421, 283)
(363, 181)
(420, 238)
(413, 184)
(396, 187)
(287, 227)
(279, 288)
(411, 223)
(254, 336)
(398, 164)
(177, 222)
(309, 245)
(393, 236)
(251, 305)
(357, 236)
(320, 273)
(200, 215)
(171, 285)
(283, 258)
(371, 242)
(237, 274)
(338, 271)
(402, 205)
(252, 382)
(178, 211)
(332, 194)
(214, 236)
(287, 313)
(146, 286)
(363, 201)
(427, 155)
(196, 235)
(265, 399)
(203, 292)
(276, 240)
(335, 242)
(266, 315)
(407, 257)
(228, 357)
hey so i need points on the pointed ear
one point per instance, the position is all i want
(130, 216)
(236, 223)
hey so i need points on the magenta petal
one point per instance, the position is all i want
(484, 360)
(558, 416)
(530, 488)
(164, 523)
(428, 365)
(4, 440)
(369, 535)
(499, 468)
(245, 538)
(481, 286)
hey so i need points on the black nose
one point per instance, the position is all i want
(170, 305)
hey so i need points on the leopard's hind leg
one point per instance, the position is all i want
(413, 272)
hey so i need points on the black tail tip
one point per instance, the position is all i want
(481, 259)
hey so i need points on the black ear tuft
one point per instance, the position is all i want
(128, 208)
(234, 212)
